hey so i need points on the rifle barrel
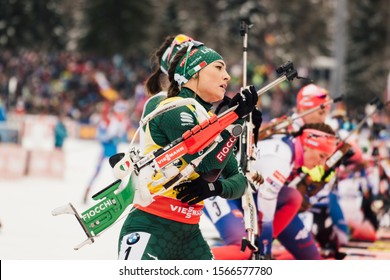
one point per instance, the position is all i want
(271, 85)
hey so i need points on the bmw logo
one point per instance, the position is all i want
(133, 238)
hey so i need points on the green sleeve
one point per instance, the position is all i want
(234, 182)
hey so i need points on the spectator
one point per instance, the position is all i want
(60, 132)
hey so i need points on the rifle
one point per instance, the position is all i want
(113, 200)
(340, 156)
(122, 162)
(281, 125)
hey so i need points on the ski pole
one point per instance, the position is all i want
(246, 156)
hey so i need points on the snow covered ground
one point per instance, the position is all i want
(30, 232)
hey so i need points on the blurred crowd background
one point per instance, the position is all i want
(69, 60)
(75, 70)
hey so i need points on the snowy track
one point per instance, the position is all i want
(30, 232)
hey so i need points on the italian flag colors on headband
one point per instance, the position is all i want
(179, 42)
(196, 58)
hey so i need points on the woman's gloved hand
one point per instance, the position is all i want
(246, 101)
(317, 173)
(197, 190)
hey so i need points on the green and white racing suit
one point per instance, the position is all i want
(168, 228)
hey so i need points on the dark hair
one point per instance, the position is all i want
(153, 82)
(174, 87)
(317, 126)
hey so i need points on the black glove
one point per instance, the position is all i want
(197, 190)
(223, 105)
(246, 101)
(257, 119)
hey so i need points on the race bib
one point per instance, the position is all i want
(133, 246)
(217, 208)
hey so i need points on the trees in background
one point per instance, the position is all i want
(300, 31)
(368, 49)
(33, 24)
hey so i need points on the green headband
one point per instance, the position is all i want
(191, 63)
(179, 42)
